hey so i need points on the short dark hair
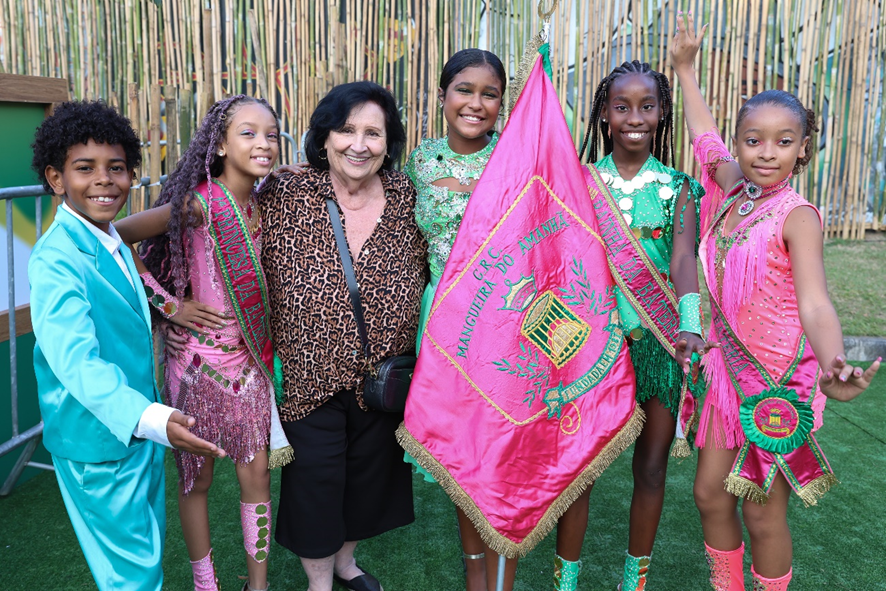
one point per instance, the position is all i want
(472, 58)
(77, 122)
(786, 100)
(335, 108)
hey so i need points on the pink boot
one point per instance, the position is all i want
(764, 584)
(727, 568)
(256, 521)
(204, 574)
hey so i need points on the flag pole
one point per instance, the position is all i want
(500, 581)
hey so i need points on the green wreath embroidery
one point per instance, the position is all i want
(775, 420)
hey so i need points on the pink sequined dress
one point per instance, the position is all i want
(216, 380)
(749, 273)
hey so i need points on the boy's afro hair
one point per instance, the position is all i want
(76, 122)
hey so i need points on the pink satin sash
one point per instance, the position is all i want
(644, 287)
(241, 269)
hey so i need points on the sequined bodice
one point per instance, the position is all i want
(753, 264)
(647, 202)
(438, 210)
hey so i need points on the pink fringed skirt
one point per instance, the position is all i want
(219, 384)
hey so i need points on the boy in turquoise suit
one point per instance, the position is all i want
(94, 360)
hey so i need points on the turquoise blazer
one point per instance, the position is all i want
(94, 357)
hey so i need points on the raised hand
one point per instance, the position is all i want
(844, 382)
(685, 45)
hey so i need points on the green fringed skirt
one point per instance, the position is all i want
(658, 374)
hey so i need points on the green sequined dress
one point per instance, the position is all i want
(647, 203)
(439, 210)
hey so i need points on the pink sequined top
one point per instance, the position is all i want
(207, 283)
(749, 273)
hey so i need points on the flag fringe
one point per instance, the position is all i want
(524, 68)
(491, 537)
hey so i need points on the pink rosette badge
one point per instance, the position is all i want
(776, 420)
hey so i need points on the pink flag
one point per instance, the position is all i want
(524, 391)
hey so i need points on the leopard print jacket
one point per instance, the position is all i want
(311, 318)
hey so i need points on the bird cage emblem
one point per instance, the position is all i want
(548, 323)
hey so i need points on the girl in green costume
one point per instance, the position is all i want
(445, 171)
(633, 115)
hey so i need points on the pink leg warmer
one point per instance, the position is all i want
(764, 584)
(727, 568)
(256, 521)
(204, 574)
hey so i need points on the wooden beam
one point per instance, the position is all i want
(32, 89)
(22, 322)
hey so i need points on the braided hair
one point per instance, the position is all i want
(662, 142)
(164, 255)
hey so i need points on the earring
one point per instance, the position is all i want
(322, 154)
(603, 120)
(221, 152)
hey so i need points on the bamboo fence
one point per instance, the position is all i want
(166, 61)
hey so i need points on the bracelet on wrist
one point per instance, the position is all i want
(162, 300)
(689, 309)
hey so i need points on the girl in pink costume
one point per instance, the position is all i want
(781, 345)
(201, 243)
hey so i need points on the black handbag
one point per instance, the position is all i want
(387, 384)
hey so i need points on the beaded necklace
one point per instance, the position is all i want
(753, 192)
(626, 203)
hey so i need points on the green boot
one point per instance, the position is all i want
(636, 569)
(566, 574)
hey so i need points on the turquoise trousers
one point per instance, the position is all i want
(118, 512)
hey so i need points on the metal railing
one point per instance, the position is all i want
(31, 437)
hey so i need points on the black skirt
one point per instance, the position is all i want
(348, 481)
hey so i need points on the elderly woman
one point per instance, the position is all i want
(348, 481)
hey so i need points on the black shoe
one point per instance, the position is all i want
(364, 582)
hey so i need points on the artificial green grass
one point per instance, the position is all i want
(856, 272)
(837, 545)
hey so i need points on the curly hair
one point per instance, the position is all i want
(662, 142)
(786, 100)
(77, 122)
(334, 110)
(164, 255)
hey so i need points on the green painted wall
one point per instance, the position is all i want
(18, 122)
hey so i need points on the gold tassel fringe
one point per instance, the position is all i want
(280, 457)
(524, 68)
(817, 488)
(494, 540)
(744, 488)
(681, 449)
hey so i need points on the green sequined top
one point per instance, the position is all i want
(647, 203)
(438, 210)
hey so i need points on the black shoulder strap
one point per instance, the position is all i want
(353, 288)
